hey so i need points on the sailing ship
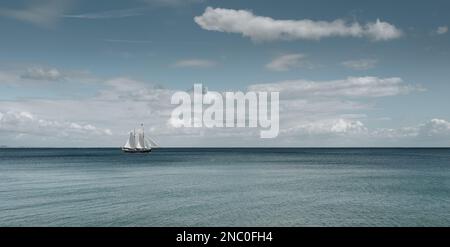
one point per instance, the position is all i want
(138, 142)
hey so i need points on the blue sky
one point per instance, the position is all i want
(74, 67)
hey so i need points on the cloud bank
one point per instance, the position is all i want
(26, 123)
(312, 113)
(350, 87)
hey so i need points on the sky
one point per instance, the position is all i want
(79, 73)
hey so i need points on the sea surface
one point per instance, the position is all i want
(225, 187)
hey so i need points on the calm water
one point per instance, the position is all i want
(225, 187)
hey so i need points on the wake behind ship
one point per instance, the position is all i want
(138, 142)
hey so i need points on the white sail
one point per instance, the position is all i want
(131, 143)
(140, 142)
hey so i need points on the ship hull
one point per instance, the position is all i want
(136, 150)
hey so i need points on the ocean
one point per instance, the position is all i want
(225, 187)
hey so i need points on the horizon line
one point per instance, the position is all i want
(229, 147)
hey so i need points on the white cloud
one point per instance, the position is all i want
(195, 63)
(361, 64)
(23, 122)
(353, 132)
(339, 126)
(381, 31)
(442, 30)
(287, 62)
(41, 13)
(435, 127)
(128, 90)
(39, 73)
(349, 87)
(108, 14)
(434, 132)
(392, 133)
(260, 28)
(319, 113)
(30, 74)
